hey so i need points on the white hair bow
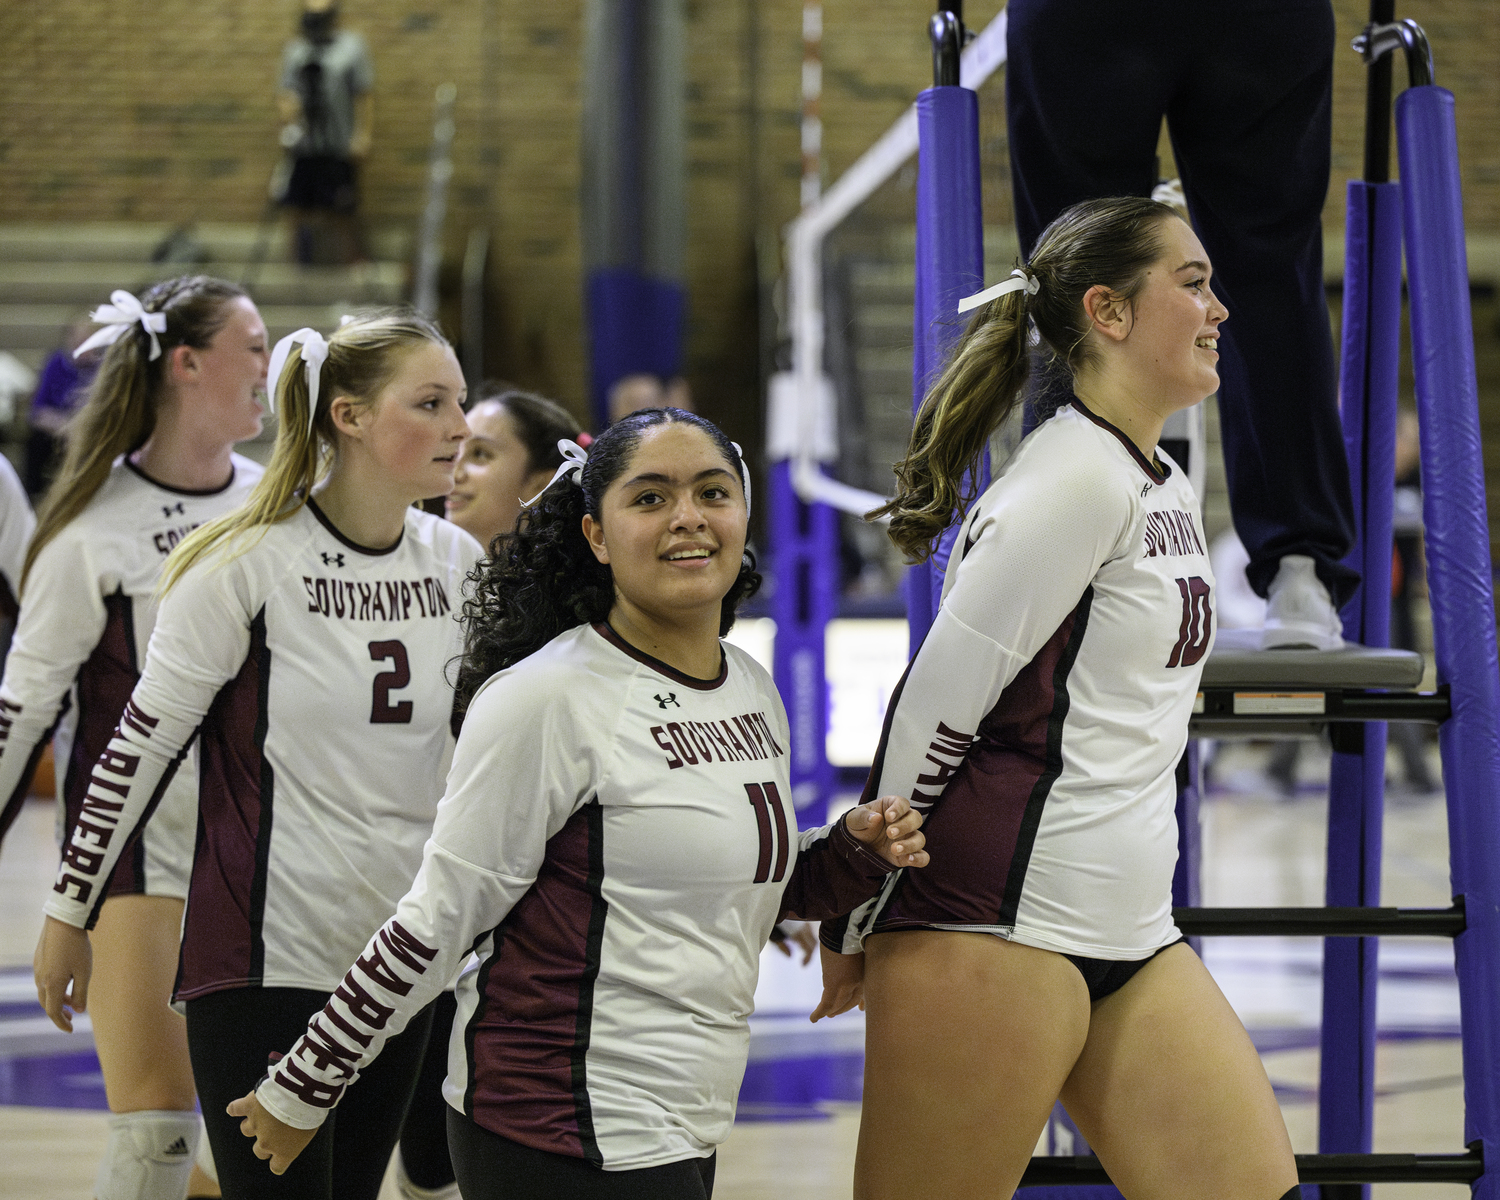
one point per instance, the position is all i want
(1019, 279)
(314, 355)
(574, 456)
(123, 311)
(744, 475)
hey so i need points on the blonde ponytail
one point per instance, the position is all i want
(1110, 242)
(363, 355)
(119, 415)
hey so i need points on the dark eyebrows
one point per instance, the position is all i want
(1194, 265)
(653, 477)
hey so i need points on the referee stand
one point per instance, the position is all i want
(1352, 692)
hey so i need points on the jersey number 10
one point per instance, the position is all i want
(766, 801)
(1197, 623)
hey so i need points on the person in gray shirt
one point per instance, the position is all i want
(327, 100)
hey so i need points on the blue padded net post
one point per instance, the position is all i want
(950, 266)
(1460, 582)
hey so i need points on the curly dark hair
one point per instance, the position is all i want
(543, 579)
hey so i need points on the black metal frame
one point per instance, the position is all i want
(1339, 704)
(1322, 922)
(1060, 1171)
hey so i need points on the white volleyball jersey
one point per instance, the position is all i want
(17, 523)
(316, 675)
(1043, 717)
(86, 618)
(616, 845)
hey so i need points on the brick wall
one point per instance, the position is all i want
(166, 112)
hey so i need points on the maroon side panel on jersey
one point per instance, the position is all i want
(981, 831)
(105, 682)
(222, 946)
(529, 1037)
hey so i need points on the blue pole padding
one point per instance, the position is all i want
(804, 597)
(1460, 583)
(950, 266)
(1356, 793)
(635, 328)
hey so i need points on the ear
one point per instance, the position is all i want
(349, 417)
(594, 531)
(182, 364)
(1108, 314)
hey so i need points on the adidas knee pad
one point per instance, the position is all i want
(149, 1156)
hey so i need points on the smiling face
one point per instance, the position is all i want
(415, 426)
(1174, 327)
(672, 525)
(493, 475)
(227, 378)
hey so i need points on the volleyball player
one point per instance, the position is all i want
(1040, 726)
(149, 458)
(615, 845)
(509, 455)
(303, 639)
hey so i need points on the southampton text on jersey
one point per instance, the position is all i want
(738, 739)
(384, 600)
(1171, 531)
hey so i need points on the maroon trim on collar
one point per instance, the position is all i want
(312, 507)
(1141, 460)
(606, 631)
(177, 491)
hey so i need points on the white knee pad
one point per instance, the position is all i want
(206, 1154)
(149, 1156)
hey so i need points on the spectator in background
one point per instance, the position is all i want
(327, 98)
(645, 390)
(59, 394)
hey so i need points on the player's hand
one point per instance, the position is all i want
(279, 1142)
(843, 983)
(63, 962)
(802, 934)
(892, 828)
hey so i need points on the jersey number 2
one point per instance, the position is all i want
(382, 711)
(766, 801)
(1197, 623)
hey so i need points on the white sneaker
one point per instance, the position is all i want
(1299, 612)
(407, 1190)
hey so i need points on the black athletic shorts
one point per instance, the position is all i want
(490, 1167)
(231, 1036)
(323, 181)
(1105, 976)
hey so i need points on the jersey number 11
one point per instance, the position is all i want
(766, 801)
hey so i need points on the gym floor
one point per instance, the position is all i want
(799, 1109)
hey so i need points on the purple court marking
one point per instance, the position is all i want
(795, 1089)
(56, 1081)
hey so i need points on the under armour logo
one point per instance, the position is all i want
(178, 1149)
(332, 560)
(669, 698)
(168, 509)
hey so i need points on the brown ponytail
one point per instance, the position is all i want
(119, 415)
(363, 356)
(1107, 242)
